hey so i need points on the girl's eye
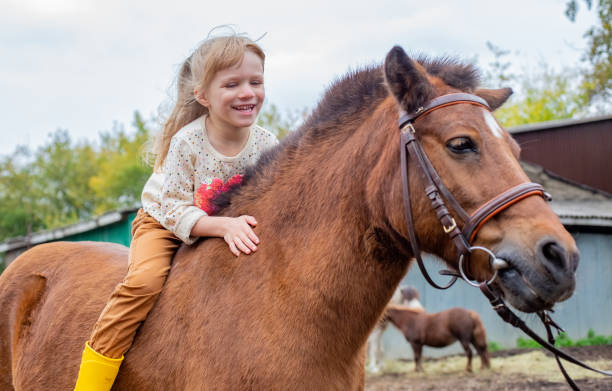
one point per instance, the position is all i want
(461, 145)
(230, 85)
(256, 82)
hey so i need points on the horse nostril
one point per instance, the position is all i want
(574, 260)
(555, 256)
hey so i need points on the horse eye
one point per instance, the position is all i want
(461, 145)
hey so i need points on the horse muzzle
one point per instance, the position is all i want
(536, 281)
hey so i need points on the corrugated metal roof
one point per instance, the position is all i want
(574, 203)
(584, 213)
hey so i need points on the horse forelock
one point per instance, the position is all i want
(348, 99)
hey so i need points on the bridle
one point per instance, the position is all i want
(437, 194)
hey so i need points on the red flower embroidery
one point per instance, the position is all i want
(207, 192)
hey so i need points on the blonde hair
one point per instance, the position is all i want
(212, 55)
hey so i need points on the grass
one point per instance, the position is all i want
(564, 341)
(533, 364)
(494, 346)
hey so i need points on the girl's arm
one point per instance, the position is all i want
(188, 222)
(236, 231)
(179, 214)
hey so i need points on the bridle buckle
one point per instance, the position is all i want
(448, 230)
(408, 127)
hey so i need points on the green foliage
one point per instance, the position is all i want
(544, 96)
(524, 343)
(271, 119)
(61, 186)
(540, 95)
(494, 346)
(63, 182)
(18, 212)
(598, 77)
(547, 94)
(564, 341)
(592, 339)
(121, 173)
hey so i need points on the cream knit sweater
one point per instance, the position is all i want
(168, 195)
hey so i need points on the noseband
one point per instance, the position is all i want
(437, 193)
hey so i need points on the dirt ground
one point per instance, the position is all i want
(511, 370)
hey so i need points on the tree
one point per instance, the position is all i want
(62, 171)
(18, 212)
(540, 95)
(598, 78)
(271, 119)
(498, 68)
(65, 182)
(544, 96)
(47, 188)
(122, 172)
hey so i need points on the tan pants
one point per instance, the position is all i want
(151, 253)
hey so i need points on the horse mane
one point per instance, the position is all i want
(348, 98)
(406, 308)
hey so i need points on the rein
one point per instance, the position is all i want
(437, 193)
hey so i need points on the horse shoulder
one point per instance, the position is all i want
(419, 326)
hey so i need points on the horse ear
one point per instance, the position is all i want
(406, 80)
(495, 98)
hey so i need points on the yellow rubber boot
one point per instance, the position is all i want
(97, 372)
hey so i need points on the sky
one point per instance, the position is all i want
(86, 65)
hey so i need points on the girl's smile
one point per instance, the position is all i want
(246, 109)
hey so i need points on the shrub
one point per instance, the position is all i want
(494, 346)
(564, 341)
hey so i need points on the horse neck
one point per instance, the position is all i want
(315, 213)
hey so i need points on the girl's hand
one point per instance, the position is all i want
(239, 235)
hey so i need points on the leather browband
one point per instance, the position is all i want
(439, 102)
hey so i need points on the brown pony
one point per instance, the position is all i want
(328, 202)
(403, 294)
(439, 330)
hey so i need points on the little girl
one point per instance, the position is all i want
(208, 140)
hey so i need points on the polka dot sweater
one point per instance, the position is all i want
(168, 195)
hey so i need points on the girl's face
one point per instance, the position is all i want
(235, 95)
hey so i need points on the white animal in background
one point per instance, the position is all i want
(403, 295)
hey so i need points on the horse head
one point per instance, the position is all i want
(409, 293)
(477, 160)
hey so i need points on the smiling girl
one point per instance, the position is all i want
(205, 146)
